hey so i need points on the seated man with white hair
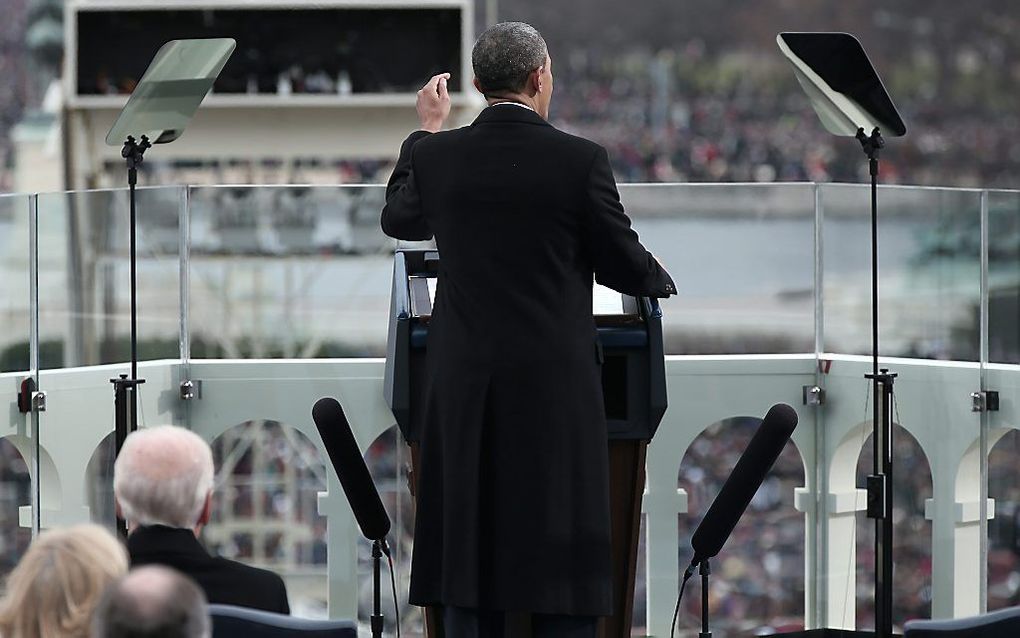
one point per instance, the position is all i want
(162, 481)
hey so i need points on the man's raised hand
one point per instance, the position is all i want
(434, 103)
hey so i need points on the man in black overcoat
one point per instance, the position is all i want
(513, 494)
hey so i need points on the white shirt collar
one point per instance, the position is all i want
(523, 106)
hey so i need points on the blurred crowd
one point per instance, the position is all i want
(15, 96)
(269, 479)
(1004, 529)
(699, 92)
(912, 540)
(758, 578)
(15, 486)
(689, 115)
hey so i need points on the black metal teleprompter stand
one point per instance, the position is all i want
(847, 93)
(879, 486)
(125, 388)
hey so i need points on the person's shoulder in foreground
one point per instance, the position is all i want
(162, 483)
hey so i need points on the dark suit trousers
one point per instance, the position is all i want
(460, 622)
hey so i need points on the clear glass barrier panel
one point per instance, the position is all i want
(85, 315)
(929, 271)
(1003, 439)
(742, 257)
(15, 318)
(292, 272)
(930, 291)
(1004, 528)
(304, 272)
(268, 477)
(1004, 277)
(85, 320)
(15, 311)
(270, 507)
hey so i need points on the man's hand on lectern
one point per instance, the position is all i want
(434, 103)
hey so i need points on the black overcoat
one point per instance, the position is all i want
(225, 582)
(513, 496)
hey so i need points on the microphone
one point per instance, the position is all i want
(745, 479)
(350, 467)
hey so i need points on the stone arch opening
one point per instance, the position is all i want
(99, 483)
(265, 507)
(1004, 528)
(50, 489)
(767, 546)
(15, 494)
(912, 532)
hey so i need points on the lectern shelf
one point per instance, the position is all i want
(606, 302)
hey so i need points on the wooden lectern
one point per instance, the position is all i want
(634, 388)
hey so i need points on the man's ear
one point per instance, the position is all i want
(535, 79)
(478, 85)
(116, 508)
(203, 518)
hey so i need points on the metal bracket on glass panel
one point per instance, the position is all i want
(39, 401)
(984, 401)
(29, 399)
(813, 395)
(191, 390)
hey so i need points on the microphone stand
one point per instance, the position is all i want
(125, 389)
(705, 570)
(379, 548)
(377, 617)
(879, 485)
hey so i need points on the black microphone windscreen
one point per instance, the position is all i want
(350, 467)
(745, 479)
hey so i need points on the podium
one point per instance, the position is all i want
(634, 389)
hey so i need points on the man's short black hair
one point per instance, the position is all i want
(505, 55)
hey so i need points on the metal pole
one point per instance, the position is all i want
(132, 180)
(887, 528)
(133, 390)
(378, 622)
(983, 441)
(34, 361)
(878, 430)
(126, 389)
(880, 500)
(705, 571)
(873, 166)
